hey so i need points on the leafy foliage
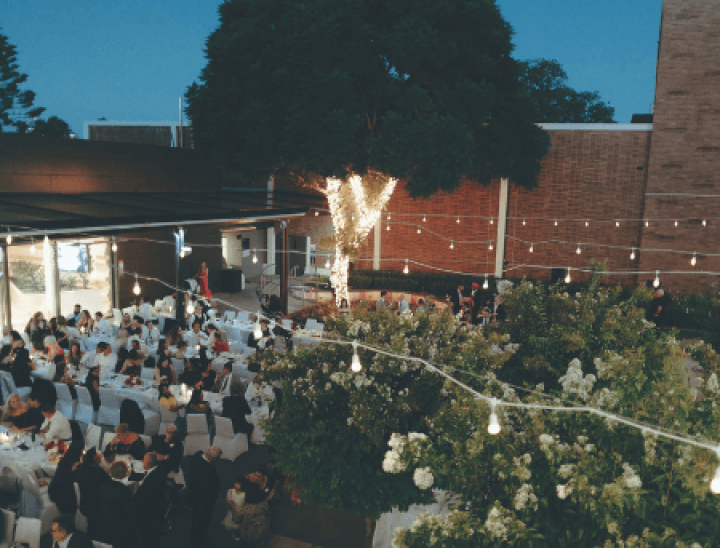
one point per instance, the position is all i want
(422, 91)
(546, 82)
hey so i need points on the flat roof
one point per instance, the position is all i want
(596, 127)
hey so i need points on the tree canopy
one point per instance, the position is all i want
(556, 102)
(422, 91)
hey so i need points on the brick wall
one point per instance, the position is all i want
(588, 175)
(685, 152)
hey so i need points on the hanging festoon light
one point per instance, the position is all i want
(258, 330)
(704, 222)
(458, 219)
(254, 257)
(578, 250)
(555, 222)
(356, 366)
(327, 262)
(136, 287)
(492, 220)
(676, 223)
(9, 238)
(32, 245)
(524, 223)
(419, 230)
(424, 219)
(568, 279)
(317, 213)
(531, 247)
(490, 247)
(647, 223)
(656, 281)
(189, 308)
(452, 245)
(632, 254)
(113, 246)
(617, 224)
(388, 218)
(486, 283)
(493, 422)
(587, 223)
(693, 261)
(406, 270)
(715, 483)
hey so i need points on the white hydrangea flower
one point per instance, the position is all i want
(573, 382)
(495, 524)
(712, 384)
(546, 441)
(392, 463)
(632, 480)
(416, 436)
(423, 478)
(566, 471)
(525, 498)
(563, 491)
(397, 442)
(612, 528)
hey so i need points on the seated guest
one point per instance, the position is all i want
(64, 534)
(190, 374)
(267, 340)
(132, 365)
(151, 333)
(220, 344)
(224, 381)
(101, 325)
(13, 408)
(74, 318)
(75, 356)
(164, 371)
(121, 338)
(125, 322)
(92, 383)
(174, 336)
(55, 426)
(143, 352)
(121, 358)
(207, 377)
(37, 326)
(29, 421)
(43, 391)
(162, 349)
(259, 391)
(198, 317)
(197, 403)
(62, 376)
(181, 349)
(126, 443)
(169, 448)
(235, 407)
(105, 359)
(167, 400)
(60, 332)
(21, 365)
(135, 329)
(195, 337)
(86, 322)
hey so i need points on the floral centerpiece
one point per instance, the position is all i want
(55, 447)
(133, 380)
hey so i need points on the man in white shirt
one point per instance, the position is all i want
(106, 359)
(198, 316)
(195, 337)
(6, 338)
(150, 333)
(258, 389)
(56, 425)
(146, 310)
(101, 325)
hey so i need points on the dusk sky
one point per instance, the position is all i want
(131, 60)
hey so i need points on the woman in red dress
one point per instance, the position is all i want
(202, 278)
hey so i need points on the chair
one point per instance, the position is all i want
(311, 324)
(229, 315)
(9, 382)
(65, 403)
(249, 350)
(242, 316)
(147, 440)
(147, 374)
(97, 544)
(233, 445)
(9, 528)
(198, 437)
(84, 410)
(140, 421)
(319, 326)
(117, 316)
(178, 364)
(287, 324)
(36, 504)
(10, 479)
(107, 438)
(167, 416)
(28, 531)
(109, 412)
(93, 437)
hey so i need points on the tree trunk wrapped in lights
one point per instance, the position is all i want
(355, 206)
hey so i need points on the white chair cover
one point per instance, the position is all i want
(287, 323)
(152, 421)
(147, 374)
(229, 315)
(65, 403)
(93, 436)
(23, 392)
(198, 438)
(233, 445)
(109, 412)
(167, 416)
(29, 531)
(84, 410)
(242, 316)
(9, 525)
(107, 438)
(311, 324)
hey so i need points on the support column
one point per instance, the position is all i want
(501, 229)
(284, 264)
(270, 253)
(49, 249)
(179, 295)
(56, 282)
(377, 243)
(5, 288)
(308, 262)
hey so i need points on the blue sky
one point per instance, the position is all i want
(131, 60)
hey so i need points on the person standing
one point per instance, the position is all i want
(150, 500)
(204, 486)
(64, 535)
(202, 278)
(456, 298)
(90, 477)
(117, 510)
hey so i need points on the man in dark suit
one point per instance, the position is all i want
(150, 500)
(117, 510)
(235, 407)
(63, 530)
(204, 485)
(90, 477)
(168, 448)
(224, 381)
(266, 340)
(456, 299)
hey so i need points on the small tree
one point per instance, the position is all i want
(17, 108)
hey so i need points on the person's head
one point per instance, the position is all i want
(118, 470)
(98, 316)
(255, 477)
(170, 432)
(48, 410)
(163, 360)
(62, 527)
(383, 294)
(211, 327)
(198, 309)
(218, 336)
(203, 265)
(213, 453)
(122, 430)
(241, 484)
(659, 292)
(343, 303)
(421, 302)
(236, 390)
(227, 368)
(32, 401)
(126, 318)
(77, 309)
(14, 401)
(196, 327)
(149, 324)
(62, 322)
(137, 321)
(49, 341)
(16, 339)
(6, 331)
(133, 356)
(498, 298)
(150, 461)
(182, 345)
(164, 391)
(102, 347)
(263, 323)
(86, 315)
(461, 287)
(75, 349)
(135, 345)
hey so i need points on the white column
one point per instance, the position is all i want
(308, 262)
(270, 253)
(49, 262)
(376, 243)
(270, 191)
(501, 229)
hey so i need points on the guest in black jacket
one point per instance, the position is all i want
(63, 530)
(204, 485)
(118, 520)
(235, 407)
(150, 500)
(169, 448)
(90, 477)
(61, 490)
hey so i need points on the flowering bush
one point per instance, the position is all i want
(384, 437)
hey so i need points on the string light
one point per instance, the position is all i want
(327, 262)
(493, 423)
(424, 219)
(676, 223)
(388, 217)
(356, 366)
(587, 223)
(715, 483)
(578, 250)
(632, 254)
(317, 213)
(490, 247)
(617, 224)
(254, 257)
(9, 239)
(656, 281)
(486, 283)
(647, 223)
(704, 222)
(136, 287)
(555, 222)
(113, 246)
(531, 247)
(258, 330)
(388, 226)
(189, 308)
(458, 219)
(524, 223)
(419, 230)
(452, 245)
(693, 261)
(567, 276)
(406, 270)
(492, 220)
(32, 246)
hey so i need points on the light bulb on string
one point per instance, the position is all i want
(647, 223)
(693, 261)
(676, 223)
(492, 221)
(388, 226)
(490, 247)
(388, 217)
(715, 483)
(327, 262)
(656, 281)
(452, 245)
(578, 250)
(617, 224)
(254, 257)
(486, 283)
(258, 330)
(704, 222)
(458, 219)
(568, 279)
(113, 246)
(587, 223)
(419, 230)
(632, 254)
(555, 222)
(406, 270)
(317, 213)
(424, 219)
(136, 287)
(356, 366)
(32, 246)
(524, 223)
(9, 239)
(531, 247)
(189, 308)
(493, 422)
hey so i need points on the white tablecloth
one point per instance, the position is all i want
(237, 331)
(215, 400)
(259, 413)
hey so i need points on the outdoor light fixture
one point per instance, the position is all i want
(406, 269)
(317, 213)
(424, 219)
(632, 254)
(693, 261)
(704, 222)
(458, 219)
(587, 223)
(254, 257)
(9, 239)
(327, 262)
(419, 230)
(356, 366)
(524, 222)
(113, 246)
(486, 284)
(490, 247)
(555, 222)
(258, 330)
(647, 223)
(568, 279)
(494, 423)
(715, 483)
(617, 224)
(136, 287)
(452, 245)
(676, 223)
(578, 250)
(32, 246)
(531, 247)
(492, 221)
(656, 282)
